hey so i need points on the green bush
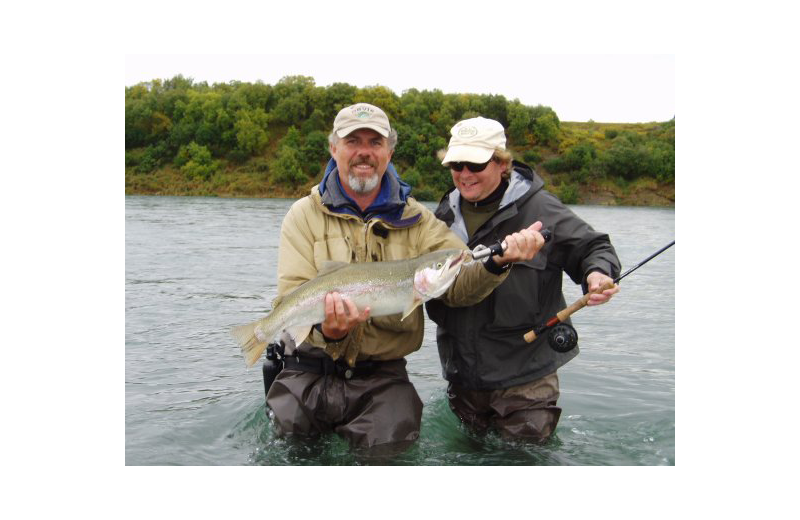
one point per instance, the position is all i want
(287, 168)
(555, 165)
(611, 133)
(579, 156)
(192, 152)
(314, 151)
(531, 156)
(662, 160)
(133, 157)
(546, 128)
(625, 160)
(153, 157)
(237, 156)
(195, 161)
(197, 171)
(426, 193)
(146, 165)
(412, 177)
(260, 164)
(568, 193)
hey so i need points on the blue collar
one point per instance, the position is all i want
(388, 205)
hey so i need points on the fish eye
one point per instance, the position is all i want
(439, 265)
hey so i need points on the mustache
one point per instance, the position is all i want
(356, 162)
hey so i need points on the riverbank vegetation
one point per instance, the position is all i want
(257, 140)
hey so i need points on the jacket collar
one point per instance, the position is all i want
(389, 204)
(522, 183)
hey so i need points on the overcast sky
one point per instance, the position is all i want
(604, 88)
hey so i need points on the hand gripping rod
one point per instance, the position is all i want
(498, 247)
(581, 302)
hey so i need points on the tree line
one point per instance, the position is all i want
(211, 134)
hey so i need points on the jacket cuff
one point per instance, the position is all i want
(493, 268)
(325, 338)
(334, 348)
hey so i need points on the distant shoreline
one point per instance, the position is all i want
(641, 192)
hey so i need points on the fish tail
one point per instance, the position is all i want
(252, 348)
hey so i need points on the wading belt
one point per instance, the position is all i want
(327, 366)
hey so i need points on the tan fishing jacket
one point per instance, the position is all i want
(312, 234)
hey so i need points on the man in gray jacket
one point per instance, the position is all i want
(495, 378)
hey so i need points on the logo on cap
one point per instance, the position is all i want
(467, 131)
(362, 112)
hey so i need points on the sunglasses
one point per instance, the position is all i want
(474, 168)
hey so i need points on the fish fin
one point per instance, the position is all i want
(252, 348)
(331, 266)
(416, 302)
(299, 333)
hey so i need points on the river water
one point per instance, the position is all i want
(195, 267)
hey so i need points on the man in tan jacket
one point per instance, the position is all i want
(349, 375)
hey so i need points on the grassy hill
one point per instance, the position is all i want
(243, 139)
(600, 188)
(252, 179)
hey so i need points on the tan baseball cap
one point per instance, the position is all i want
(474, 140)
(361, 115)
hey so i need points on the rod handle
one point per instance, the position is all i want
(498, 248)
(562, 315)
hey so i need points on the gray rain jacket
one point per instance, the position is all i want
(481, 347)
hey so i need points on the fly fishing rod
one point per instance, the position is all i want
(563, 337)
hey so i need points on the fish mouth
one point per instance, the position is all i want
(458, 259)
(455, 262)
(433, 281)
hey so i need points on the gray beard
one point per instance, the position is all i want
(363, 186)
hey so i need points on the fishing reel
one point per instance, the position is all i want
(273, 365)
(562, 337)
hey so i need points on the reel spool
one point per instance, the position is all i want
(563, 337)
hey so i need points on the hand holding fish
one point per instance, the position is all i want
(594, 282)
(341, 315)
(522, 245)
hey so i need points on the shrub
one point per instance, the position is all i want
(195, 170)
(426, 193)
(546, 128)
(579, 156)
(152, 157)
(555, 165)
(195, 161)
(568, 193)
(627, 160)
(412, 177)
(611, 133)
(531, 156)
(314, 150)
(287, 168)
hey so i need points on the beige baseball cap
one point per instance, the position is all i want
(361, 115)
(474, 140)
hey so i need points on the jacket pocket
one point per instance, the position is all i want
(333, 249)
(516, 303)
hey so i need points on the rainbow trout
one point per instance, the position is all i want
(385, 287)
